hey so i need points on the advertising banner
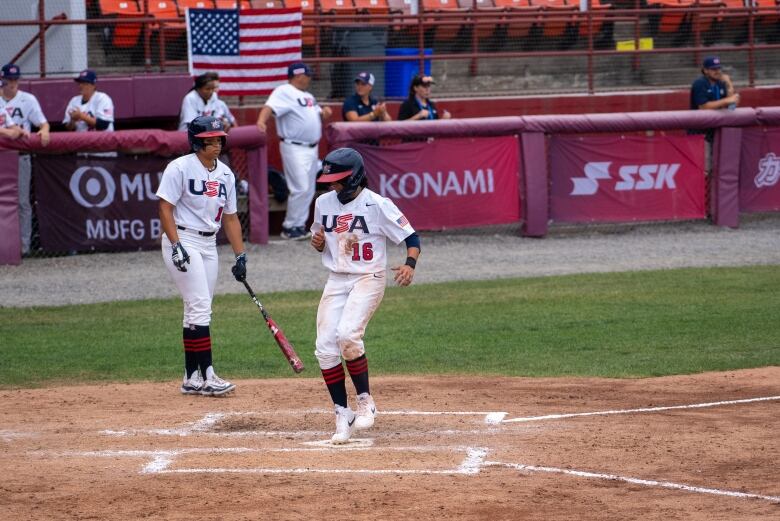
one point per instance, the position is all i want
(102, 204)
(759, 190)
(623, 178)
(449, 183)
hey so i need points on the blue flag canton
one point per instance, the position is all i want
(214, 32)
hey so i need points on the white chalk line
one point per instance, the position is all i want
(640, 410)
(205, 425)
(634, 481)
(162, 459)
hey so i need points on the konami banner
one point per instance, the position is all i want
(759, 190)
(622, 178)
(449, 183)
(97, 203)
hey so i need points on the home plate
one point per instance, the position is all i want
(354, 443)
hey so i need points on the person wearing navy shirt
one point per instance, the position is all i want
(712, 90)
(362, 106)
(418, 105)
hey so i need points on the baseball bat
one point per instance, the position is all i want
(287, 349)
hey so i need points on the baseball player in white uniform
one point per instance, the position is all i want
(197, 196)
(202, 100)
(351, 227)
(299, 126)
(91, 109)
(23, 110)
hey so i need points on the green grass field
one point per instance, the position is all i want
(615, 325)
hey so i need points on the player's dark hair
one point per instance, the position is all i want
(203, 79)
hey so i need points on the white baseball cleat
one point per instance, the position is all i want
(366, 412)
(345, 425)
(193, 384)
(214, 385)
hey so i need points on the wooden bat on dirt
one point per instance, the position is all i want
(287, 349)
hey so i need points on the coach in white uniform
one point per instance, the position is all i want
(23, 110)
(299, 126)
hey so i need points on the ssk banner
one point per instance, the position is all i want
(759, 189)
(617, 179)
(97, 204)
(448, 183)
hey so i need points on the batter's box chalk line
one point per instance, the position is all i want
(206, 425)
(633, 481)
(160, 461)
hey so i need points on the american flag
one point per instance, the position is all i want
(402, 221)
(250, 49)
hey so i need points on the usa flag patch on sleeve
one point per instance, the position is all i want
(402, 221)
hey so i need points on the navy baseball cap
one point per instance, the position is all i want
(298, 68)
(711, 62)
(365, 77)
(10, 71)
(86, 76)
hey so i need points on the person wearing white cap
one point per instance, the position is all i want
(299, 125)
(362, 106)
(22, 109)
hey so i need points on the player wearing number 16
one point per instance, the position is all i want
(198, 196)
(351, 227)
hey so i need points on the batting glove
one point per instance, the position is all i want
(180, 256)
(239, 270)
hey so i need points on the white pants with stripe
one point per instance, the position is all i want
(348, 302)
(197, 284)
(300, 170)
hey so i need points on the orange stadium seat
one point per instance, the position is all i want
(194, 4)
(232, 4)
(266, 4)
(161, 9)
(125, 35)
(556, 8)
(308, 7)
(440, 31)
(372, 6)
(520, 27)
(337, 7)
(598, 21)
(486, 24)
(670, 21)
(767, 12)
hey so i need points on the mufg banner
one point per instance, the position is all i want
(97, 204)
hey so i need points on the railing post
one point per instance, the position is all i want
(474, 43)
(421, 42)
(147, 39)
(751, 44)
(695, 20)
(635, 61)
(42, 36)
(161, 41)
(590, 47)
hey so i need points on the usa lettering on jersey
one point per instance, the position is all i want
(207, 188)
(344, 223)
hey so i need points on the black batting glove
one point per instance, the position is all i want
(239, 270)
(180, 256)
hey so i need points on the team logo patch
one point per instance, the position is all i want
(402, 221)
(326, 169)
(215, 124)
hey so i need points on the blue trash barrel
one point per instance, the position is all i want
(399, 74)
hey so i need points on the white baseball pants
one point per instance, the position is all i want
(348, 302)
(197, 284)
(300, 170)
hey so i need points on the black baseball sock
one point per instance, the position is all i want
(190, 356)
(197, 344)
(335, 380)
(358, 371)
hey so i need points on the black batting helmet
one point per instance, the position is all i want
(344, 165)
(203, 127)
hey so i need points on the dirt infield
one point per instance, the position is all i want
(699, 447)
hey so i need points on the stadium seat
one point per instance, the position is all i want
(122, 36)
(194, 4)
(767, 12)
(163, 9)
(440, 32)
(598, 9)
(372, 6)
(520, 27)
(557, 8)
(232, 4)
(308, 7)
(266, 4)
(337, 7)
(487, 24)
(669, 21)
